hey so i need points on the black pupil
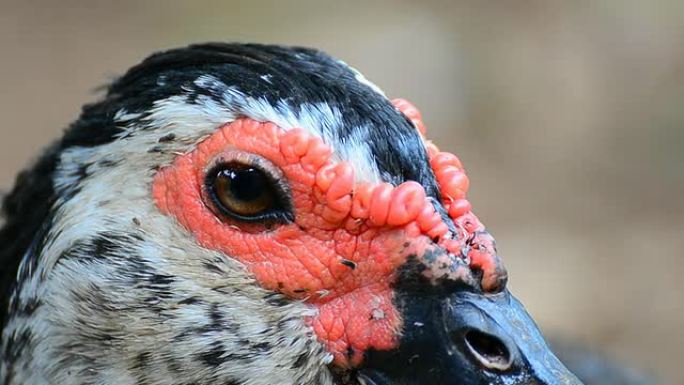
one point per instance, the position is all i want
(246, 184)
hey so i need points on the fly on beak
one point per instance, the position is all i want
(464, 328)
(466, 338)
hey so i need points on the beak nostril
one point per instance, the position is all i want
(488, 350)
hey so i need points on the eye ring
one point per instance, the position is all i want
(247, 188)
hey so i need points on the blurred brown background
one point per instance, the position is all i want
(568, 115)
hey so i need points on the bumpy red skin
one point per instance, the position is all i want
(347, 241)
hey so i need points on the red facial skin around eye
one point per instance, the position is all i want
(341, 253)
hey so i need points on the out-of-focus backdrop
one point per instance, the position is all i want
(569, 116)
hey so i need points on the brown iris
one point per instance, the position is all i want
(244, 191)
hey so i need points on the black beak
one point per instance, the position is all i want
(466, 338)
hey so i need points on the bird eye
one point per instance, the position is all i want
(245, 192)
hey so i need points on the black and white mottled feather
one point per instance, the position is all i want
(103, 289)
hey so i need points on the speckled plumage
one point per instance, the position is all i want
(109, 290)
